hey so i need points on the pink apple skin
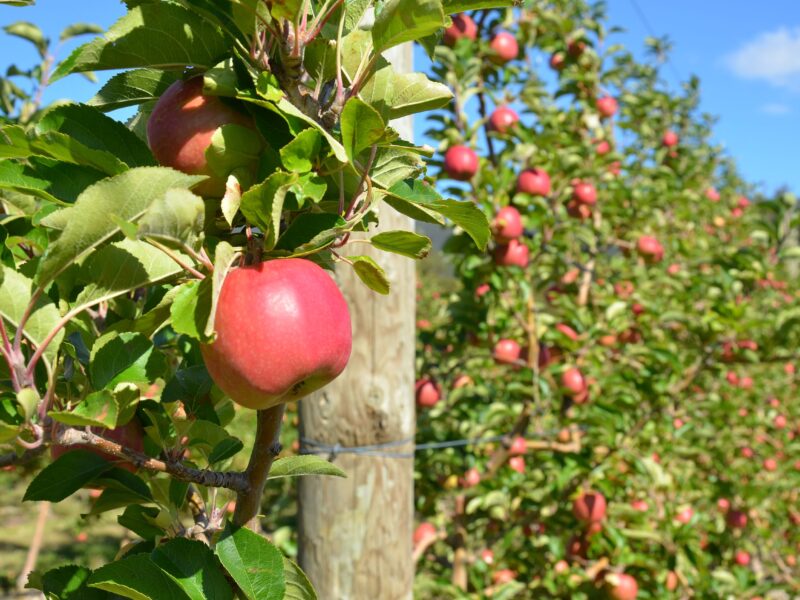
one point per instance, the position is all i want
(518, 447)
(669, 139)
(573, 381)
(517, 463)
(650, 248)
(507, 224)
(607, 106)
(742, 558)
(423, 532)
(507, 351)
(621, 586)
(535, 182)
(685, 516)
(557, 61)
(602, 148)
(567, 331)
(505, 48)
(513, 254)
(427, 393)
(471, 478)
(712, 194)
(589, 507)
(640, 505)
(584, 193)
(283, 331)
(463, 27)
(461, 163)
(181, 126)
(503, 119)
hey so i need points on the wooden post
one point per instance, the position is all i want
(355, 533)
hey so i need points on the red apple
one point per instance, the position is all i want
(770, 464)
(130, 435)
(736, 519)
(507, 224)
(669, 139)
(584, 193)
(503, 576)
(712, 194)
(482, 290)
(535, 182)
(671, 582)
(747, 452)
(621, 586)
(181, 126)
(674, 269)
(575, 48)
(568, 331)
(746, 383)
(512, 254)
(507, 352)
(724, 504)
(283, 331)
(518, 446)
(640, 505)
(789, 369)
(427, 392)
(742, 558)
(423, 532)
(463, 27)
(578, 210)
(732, 378)
(504, 47)
(557, 61)
(517, 463)
(561, 566)
(577, 547)
(685, 515)
(589, 507)
(742, 202)
(471, 478)
(462, 381)
(460, 163)
(487, 556)
(779, 421)
(602, 148)
(607, 106)
(503, 119)
(650, 248)
(573, 382)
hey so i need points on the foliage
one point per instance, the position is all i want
(687, 424)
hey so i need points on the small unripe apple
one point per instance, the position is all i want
(517, 463)
(736, 519)
(180, 128)
(584, 193)
(518, 446)
(423, 532)
(130, 435)
(507, 352)
(712, 194)
(504, 47)
(463, 27)
(283, 331)
(535, 182)
(512, 254)
(607, 106)
(507, 224)
(742, 558)
(621, 586)
(460, 163)
(669, 139)
(589, 507)
(573, 381)
(650, 248)
(427, 392)
(503, 119)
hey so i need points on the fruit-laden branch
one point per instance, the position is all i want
(231, 480)
(265, 448)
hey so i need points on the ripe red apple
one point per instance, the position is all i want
(181, 126)
(640, 505)
(507, 224)
(504, 47)
(742, 202)
(578, 210)
(602, 148)
(584, 193)
(732, 378)
(557, 61)
(503, 576)
(503, 119)
(535, 182)
(463, 27)
(573, 382)
(507, 352)
(423, 532)
(487, 556)
(674, 269)
(517, 463)
(460, 163)
(130, 435)
(742, 558)
(770, 464)
(736, 519)
(589, 507)
(724, 504)
(671, 582)
(471, 478)
(462, 381)
(779, 421)
(669, 139)
(568, 331)
(518, 446)
(607, 106)
(685, 515)
(746, 383)
(712, 194)
(283, 331)
(482, 290)
(747, 452)
(620, 586)
(650, 248)
(575, 48)
(427, 392)
(512, 254)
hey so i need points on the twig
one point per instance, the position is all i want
(175, 258)
(35, 547)
(459, 547)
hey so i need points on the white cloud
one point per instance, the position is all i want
(773, 56)
(776, 108)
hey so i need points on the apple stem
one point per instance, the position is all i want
(265, 448)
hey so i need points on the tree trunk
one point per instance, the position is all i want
(355, 533)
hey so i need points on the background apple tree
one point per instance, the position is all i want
(627, 345)
(112, 263)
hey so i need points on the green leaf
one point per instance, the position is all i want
(69, 583)
(225, 256)
(124, 357)
(362, 126)
(141, 520)
(98, 409)
(13, 176)
(300, 155)
(15, 294)
(371, 274)
(406, 243)
(262, 204)
(234, 147)
(397, 95)
(65, 181)
(160, 35)
(225, 449)
(306, 464)
(298, 587)
(77, 29)
(176, 219)
(97, 205)
(254, 564)
(133, 87)
(191, 309)
(195, 567)
(30, 32)
(286, 9)
(28, 400)
(452, 7)
(310, 232)
(69, 473)
(139, 578)
(400, 21)
(290, 109)
(93, 129)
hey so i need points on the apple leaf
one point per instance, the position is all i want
(305, 464)
(362, 126)
(254, 564)
(125, 357)
(98, 409)
(407, 243)
(191, 309)
(298, 587)
(300, 155)
(452, 7)
(139, 578)
(262, 204)
(370, 273)
(69, 583)
(66, 475)
(133, 87)
(400, 21)
(195, 567)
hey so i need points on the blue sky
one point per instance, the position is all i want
(747, 57)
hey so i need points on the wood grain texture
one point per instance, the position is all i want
(355, 533)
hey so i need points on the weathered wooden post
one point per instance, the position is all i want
(355, 533)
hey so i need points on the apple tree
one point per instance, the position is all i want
(624, 352)
(158, 274)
